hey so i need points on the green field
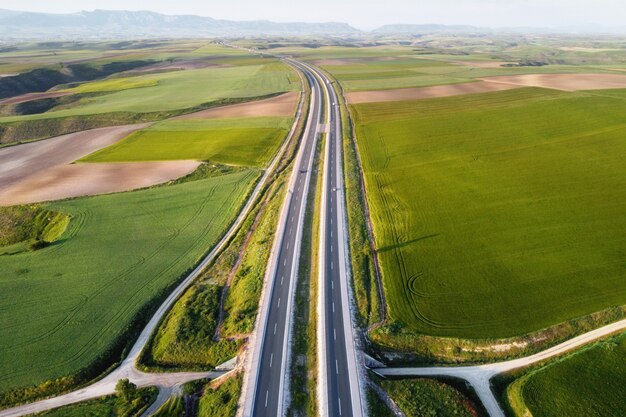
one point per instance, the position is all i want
(427, 397)
(588, 383)
(119, 252)
(497, 214)
(178, 90)
(245, 141)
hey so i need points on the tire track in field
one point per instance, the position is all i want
(60, 325)
(132, 301)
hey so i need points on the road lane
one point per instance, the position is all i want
(270, 353)
(339, 380)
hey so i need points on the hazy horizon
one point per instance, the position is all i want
(367, 14)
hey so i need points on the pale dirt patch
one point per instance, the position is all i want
(282, 105)
(33, 159)
(426, 92)
(33, 96)
(564, 82)
(64, 181)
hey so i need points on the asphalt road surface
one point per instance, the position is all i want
(270, 357)
(339, 375)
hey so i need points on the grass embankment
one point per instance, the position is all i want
(174, 407)
(589, 382)
(238, 141)
(29, 227)
(100, 281)
(427, 397)
(109, 406)
(495, 214)
(222, 400)
(304, 357)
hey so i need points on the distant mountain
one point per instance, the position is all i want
(124, 24)
(425, 29)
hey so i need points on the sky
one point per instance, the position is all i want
(367, 14)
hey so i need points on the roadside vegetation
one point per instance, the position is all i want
(364, 275)
(221, 400)
(589, 382)
(174, 407)
(428, 397)
(128, 402)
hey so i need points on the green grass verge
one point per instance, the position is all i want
(98, 283)
(110, 406)
(221, 401)
(185, 338)
(245, 141)
(376, 406)
(588, 383)
(174, 407)
(428, 397)
(496, 214)
(363, 269)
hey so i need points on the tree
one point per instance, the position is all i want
(126, 390)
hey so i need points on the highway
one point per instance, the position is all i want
(268, 370)
(339, 382)
(268, 365)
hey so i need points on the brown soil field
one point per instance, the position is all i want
(21, 161)
(282, 105)
(426, 92)
(33, 96)
(564, 82)
(64, 181)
